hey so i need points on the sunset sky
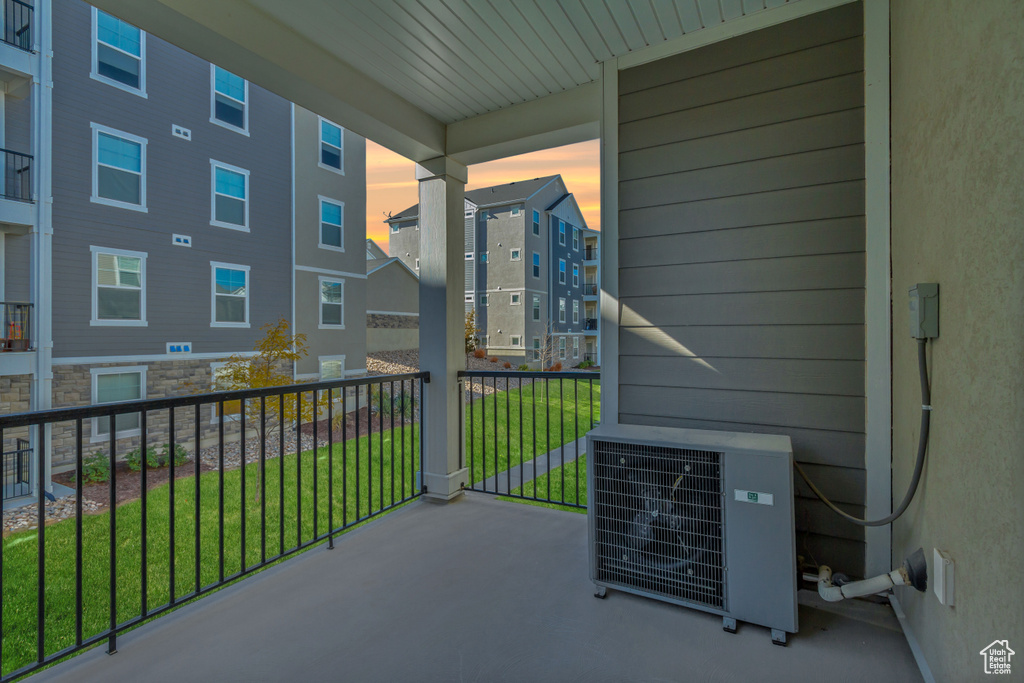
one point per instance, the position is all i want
(391, 183)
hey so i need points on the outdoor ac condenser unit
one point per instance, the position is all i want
(697, 518)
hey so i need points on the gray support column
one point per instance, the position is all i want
(442, 186)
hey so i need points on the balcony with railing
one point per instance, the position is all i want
(590, 255)
(17, 26)
(590, 289)
(17, 180)
(590, 325)
(287, 475)
(16, 334)
(16, 470)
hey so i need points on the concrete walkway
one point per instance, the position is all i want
(477, 590)
(503, 482)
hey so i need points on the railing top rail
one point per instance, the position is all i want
(105, 409)
(580, 374)
(23, 4)
(11, 151)
(15, 303)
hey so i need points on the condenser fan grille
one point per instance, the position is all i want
(658, 520)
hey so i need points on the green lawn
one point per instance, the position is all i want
(20, 550)
(561, 485)
(549, 418)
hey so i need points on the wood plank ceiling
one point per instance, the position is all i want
(455, 59)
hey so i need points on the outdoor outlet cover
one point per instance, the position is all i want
(943, 582)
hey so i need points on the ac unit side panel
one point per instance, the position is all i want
(761, 542)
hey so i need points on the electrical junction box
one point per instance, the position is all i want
(942, 584)
(924, 310)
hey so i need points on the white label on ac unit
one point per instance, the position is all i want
(755, 497)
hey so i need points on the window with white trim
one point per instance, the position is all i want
(118, 53)
(517, 210)
(561, 232)
(517, 299)
(469, 298)
(417, 264)
(230, 295)
(395, 227)
(483, 299)
(536, 348)
(118, 287)
(332, 146)
(117, 385)
(229, 95)
(229, 196)
(561, 348)
(575, 347)
(536, 222)
(332, 303)
(483, 257)
(516, 340)
(119, 168)
(536, 307)
(575, 275)
(536, 264)
(576, 239)
(469, 256)
(332, 367)
(561, 271)
(575, 312)
(517, 255)
(561, 310)
(332, 224)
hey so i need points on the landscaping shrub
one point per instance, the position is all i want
(96, 468)
(507, 365)
(405, 404)
(524, 367)
(585, 364)
(380, 401)
(156, 456)
(557, 367)
(479, 353)
(494, 359)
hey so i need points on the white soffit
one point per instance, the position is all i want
(456, 59)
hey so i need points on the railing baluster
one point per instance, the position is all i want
(494, 383)
(78, 603)
(472, 435)
(316, 468)
(533, 404)
(280, 474)
(359, 510)
(380, 439)
(406, 408)
(547, 427)
(392, 444)
(170, 491)
(196, 466)
(561, 434)
(144, 512)
(522, 453)
(263, 479)
(79, 486)
(242, 407)
(344, 456)
(330, 468)
(508, 438)
(298, 468)
(576, 433)
(41, 542)
(220, 483)
(112, 639)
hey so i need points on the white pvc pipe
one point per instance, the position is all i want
(877, 584)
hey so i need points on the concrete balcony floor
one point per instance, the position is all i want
(477, 590)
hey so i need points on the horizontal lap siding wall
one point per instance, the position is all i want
(741, 192)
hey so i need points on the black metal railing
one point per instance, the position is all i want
(524, 433)
(590, 289)
(17, 176)
(590, 324)
(16, 469)
(590, 253)
(16, 334)
(323, 457)
(18, 24)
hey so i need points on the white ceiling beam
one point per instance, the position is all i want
(551, 121)
(246, 41)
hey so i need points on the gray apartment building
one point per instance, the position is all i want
(162, 212)
(532, 270)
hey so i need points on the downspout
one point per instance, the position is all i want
(42, 235)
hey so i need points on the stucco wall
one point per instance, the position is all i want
(957, 203)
